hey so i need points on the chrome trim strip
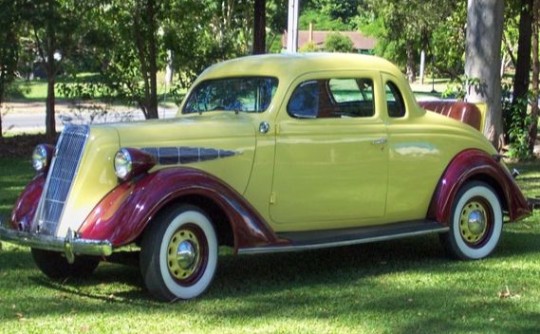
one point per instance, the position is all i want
(305, 247)
(70, 245)
(186, 154)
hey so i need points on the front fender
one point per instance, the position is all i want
(25, 208)
(476, 165)
(123, 214)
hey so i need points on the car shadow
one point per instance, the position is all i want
(244, 275)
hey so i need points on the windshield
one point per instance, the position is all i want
(246, 94)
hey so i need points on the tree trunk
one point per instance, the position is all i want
(259, 27)
(483, 60)
(50, 123)
(2, 93)
(50, 69)
(144, 30)
(411, 65)
(523, 64)
(152, 59)
(533, 127)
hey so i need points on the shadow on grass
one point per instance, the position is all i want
(130, 293)
(244, 275)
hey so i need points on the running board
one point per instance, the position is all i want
(301, 241)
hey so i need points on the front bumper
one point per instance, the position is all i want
(70, 245)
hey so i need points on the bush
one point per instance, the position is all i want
(336, 42)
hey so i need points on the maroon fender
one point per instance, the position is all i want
(476, 165)
(25, 208)
(122, 215)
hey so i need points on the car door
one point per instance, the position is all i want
(331, 155)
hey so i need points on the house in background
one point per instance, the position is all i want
(362, 44)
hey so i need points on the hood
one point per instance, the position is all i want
(221, 144)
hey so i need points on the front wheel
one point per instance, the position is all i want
(476, 223)
(179, 254)
(56, 266)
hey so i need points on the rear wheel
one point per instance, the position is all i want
(179, 254)
(476, 223)
(56, 266)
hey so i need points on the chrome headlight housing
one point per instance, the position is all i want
(130, 162)
(42, 157)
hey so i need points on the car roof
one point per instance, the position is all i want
(293, 65)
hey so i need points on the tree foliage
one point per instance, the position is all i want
(403, 28)
(130, 42)
(52, 26)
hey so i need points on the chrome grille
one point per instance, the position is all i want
(61, 174)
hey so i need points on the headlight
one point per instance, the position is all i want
(130, 162)
(42, 156)
(123, 165)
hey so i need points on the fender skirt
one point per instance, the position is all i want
(122, 215)
(476, 165)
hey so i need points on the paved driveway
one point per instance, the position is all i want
(30, 117)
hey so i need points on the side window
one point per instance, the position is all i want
(394, 101)
(353, 97)
(333, 98)
(304, 102)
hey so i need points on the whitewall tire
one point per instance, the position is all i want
(476, 223)
(179, 254)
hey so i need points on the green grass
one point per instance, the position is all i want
(14, 174)
(404, 286)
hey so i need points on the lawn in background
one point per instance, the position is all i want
(404, 286)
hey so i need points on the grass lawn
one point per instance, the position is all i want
(405, 286)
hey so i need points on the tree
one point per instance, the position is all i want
(276, 23)
(523, 63)
(343, 11)
(9, 16)
(259, 27)
(404, 27)
(533, 127)
(124, 37)
(53, 26)
(482, 61)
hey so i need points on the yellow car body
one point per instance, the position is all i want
(319, 150)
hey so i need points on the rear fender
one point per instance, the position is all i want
(476, 165)
(124, 213)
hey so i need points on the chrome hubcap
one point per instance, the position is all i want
(473, 222)
(183, 254)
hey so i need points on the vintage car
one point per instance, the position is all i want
(268, 153)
